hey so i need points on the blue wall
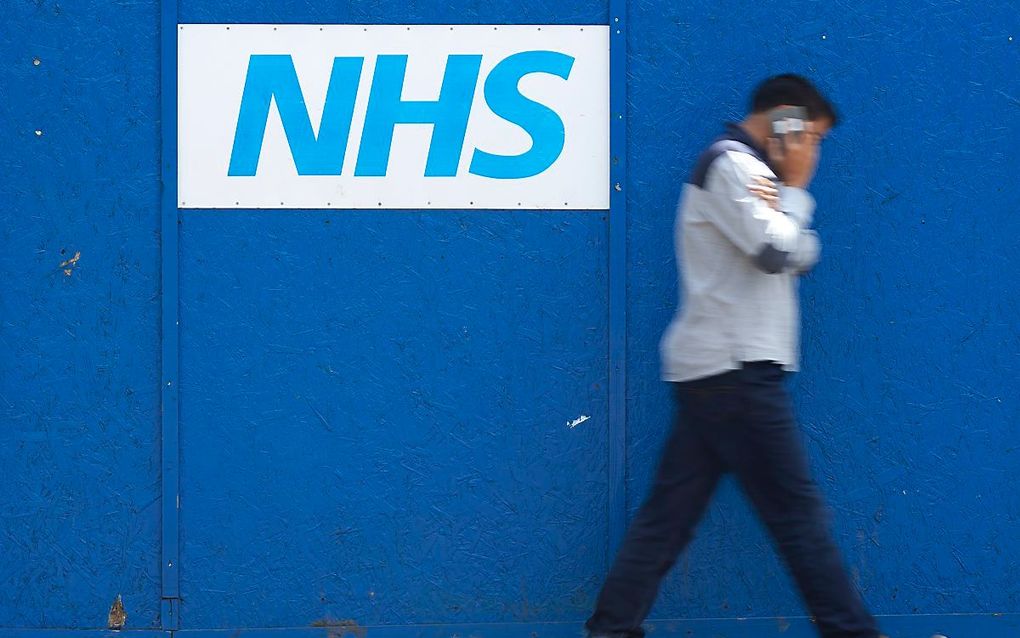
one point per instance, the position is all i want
(79, 353)
(374, 405)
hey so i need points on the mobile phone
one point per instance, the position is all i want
(787, 120)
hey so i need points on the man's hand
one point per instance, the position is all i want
(796, 156)
(765, 190)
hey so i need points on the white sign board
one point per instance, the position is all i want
(393, 116)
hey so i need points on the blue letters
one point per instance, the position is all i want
(274, 76)
(448, 115)
(537, 120)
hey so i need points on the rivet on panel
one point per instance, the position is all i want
(37, 61)
(825, 37)
(38, 133)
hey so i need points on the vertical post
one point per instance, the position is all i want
(169, 424)
(617, 273)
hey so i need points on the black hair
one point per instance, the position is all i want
(793, 90)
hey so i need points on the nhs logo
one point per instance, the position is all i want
(393, 116)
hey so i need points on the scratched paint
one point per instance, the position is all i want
(79, 301)
(578, 421)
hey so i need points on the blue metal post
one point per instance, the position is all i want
(170, 426)
(617, 273)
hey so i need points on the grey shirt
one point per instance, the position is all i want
(739, 260)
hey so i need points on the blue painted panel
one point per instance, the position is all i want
(375, 412)
(915, 626)
(986, 626)
(79, 447)
(395, 12)
(909, 395)
(83, 633)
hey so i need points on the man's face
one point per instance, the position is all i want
(817, 130)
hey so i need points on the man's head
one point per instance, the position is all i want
(796, 158)
(793, 90)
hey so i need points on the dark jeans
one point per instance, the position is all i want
(740, 422)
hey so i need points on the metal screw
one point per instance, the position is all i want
(38, 133)
(37, 61)
(825, 37)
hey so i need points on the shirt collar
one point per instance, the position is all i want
(738, 133)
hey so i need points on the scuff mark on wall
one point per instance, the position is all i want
(69, 265)
(578, 421)
(340, 628)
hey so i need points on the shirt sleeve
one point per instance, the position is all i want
(776, 241)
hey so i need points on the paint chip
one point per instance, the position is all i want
(69, 265)
(117, 617)
(578, 421)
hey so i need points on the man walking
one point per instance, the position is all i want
(741, 244)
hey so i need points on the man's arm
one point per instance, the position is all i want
(775, 240)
